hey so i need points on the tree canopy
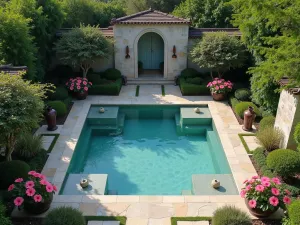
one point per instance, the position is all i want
(81, 46)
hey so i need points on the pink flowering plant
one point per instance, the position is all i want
(78, 84)
(265, 193)
(220, 86)
(34, 189)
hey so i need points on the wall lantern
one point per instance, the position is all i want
(174, 56)
(127, 52)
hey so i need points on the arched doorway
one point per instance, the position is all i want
(151, 55)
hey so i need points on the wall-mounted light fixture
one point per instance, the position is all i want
(174, 56)
(127, 52)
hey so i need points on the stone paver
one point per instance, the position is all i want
(47, 141)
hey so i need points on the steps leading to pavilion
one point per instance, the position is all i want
(147, 81)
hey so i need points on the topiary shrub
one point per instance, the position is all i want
(28, 145)
(64, 215)
(230, 215)
(242, 94)
(61, 93)
(106, 87)
(233, 101)
(195, 80)
(12, 170)
(294, 212)
(94, 78)
(297, 135)
(189, 73)
(270, 138)
(4, 220)
(112, 74)
(59, 106)
(192, 89)
(285, 162)
(242, 106)
(268, 121)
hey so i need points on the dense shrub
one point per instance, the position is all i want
(11, 170)
(242, 106)
(64, 215)
(195, 80)
(112, 74)
(68, 101)
(111, 88)
(285, 162)
(270, 138)
(233, 101)
(230, 215)
(189, 73)
(61, 93)
(59, 106)
(267, 121)
(260, 158)
(294, 212)
(192, 89)
(4, 220)
(297, 135)
(37, 163)
(94, 78)
(243, 94)
(28, 145)
(62, 71)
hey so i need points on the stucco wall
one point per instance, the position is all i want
(128, 35)
(288, 115)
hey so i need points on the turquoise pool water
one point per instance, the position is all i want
(147, 155)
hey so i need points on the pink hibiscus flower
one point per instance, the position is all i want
(275, 191)
(260, 188)
(90, 83)
(49, 188)
(36, 175)
(71, 88)
(78, 87)
(219, 81)
(29, 184)
(287, 192)
(30, 192)
(84, 82)
(266, 184)
(217, 87)
(11, 187)
(44, 182)
(273, 201)
(42, 176)
(252, 203)
(276, 180)
(85, 88)
(251, 181)
(254, 177)
(37, 198)
(18, 201)
(229, 87)
(287, 200)
(222, 86)
(19, 180)
(209, 84)
(214, 82)
(31, 172)
(243, 193)
(248, 188)
(78, 81)
(54, 187)
(265, 179)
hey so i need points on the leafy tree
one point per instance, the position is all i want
(134, 6)
(16, 44)
(205, 13)
(219, 52)
(21, 108)
(81, 46)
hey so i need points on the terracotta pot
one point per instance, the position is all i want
(218, 97)
(38, 207)
(259, 213)
(81, 95)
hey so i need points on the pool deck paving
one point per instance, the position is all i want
(149, 210)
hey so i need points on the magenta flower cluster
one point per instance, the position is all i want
(78, 84)
(265, 193)
(220, 86)
(36, 188)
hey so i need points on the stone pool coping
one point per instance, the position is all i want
(155, 207)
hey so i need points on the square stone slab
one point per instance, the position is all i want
(97, 184)
(190, 117)
(202, 184)
(109, 117)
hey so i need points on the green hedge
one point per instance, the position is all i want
(112, 88)
(260, 158)
(112, 74)
(190, 73)
(192, 89)
(233, 101)
(243, 94)
(294, 212)
(242, 106)
(297, 135)
(59, 106)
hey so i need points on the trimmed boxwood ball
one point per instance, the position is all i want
(230, 215)
(195, 80)
(189, 73)
(267, 121)
(112, 74)
(242, 94)
(242, 106)
(12, 170)
(285, 162)
(59, 106)
(294, 212)
(94, 78)
(64, 216)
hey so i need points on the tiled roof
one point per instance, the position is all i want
(13, 70)
(294, 91)
(150, 16)
(198, 32)
(107, 32)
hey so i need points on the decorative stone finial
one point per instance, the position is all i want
(84, 183)
(197, 110)
(215, 183)
(101, 110)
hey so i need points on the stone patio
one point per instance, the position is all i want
(150, 210)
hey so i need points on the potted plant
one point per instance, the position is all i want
(219, 88)
(35, 194)
(263, 196)
(79, 86)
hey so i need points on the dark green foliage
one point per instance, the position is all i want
(242, 106)
(230, 215)
(112, 74)
(297, 135)
(68, 101)
(195, 80)
(284, 162)
(294, 212)
(4, 220)
(268, 121)
(12, 170)
(192, 89)
(233, 101)
(59, 106)
(112, 88)
(189, 73)
(37, 163)
(94, 78)
(64, 215)
(260, 158)
(62, 71)
(61, 93)
(294, 189)
(28, 145)
(243, 94)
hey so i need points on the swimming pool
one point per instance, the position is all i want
(148, 150)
